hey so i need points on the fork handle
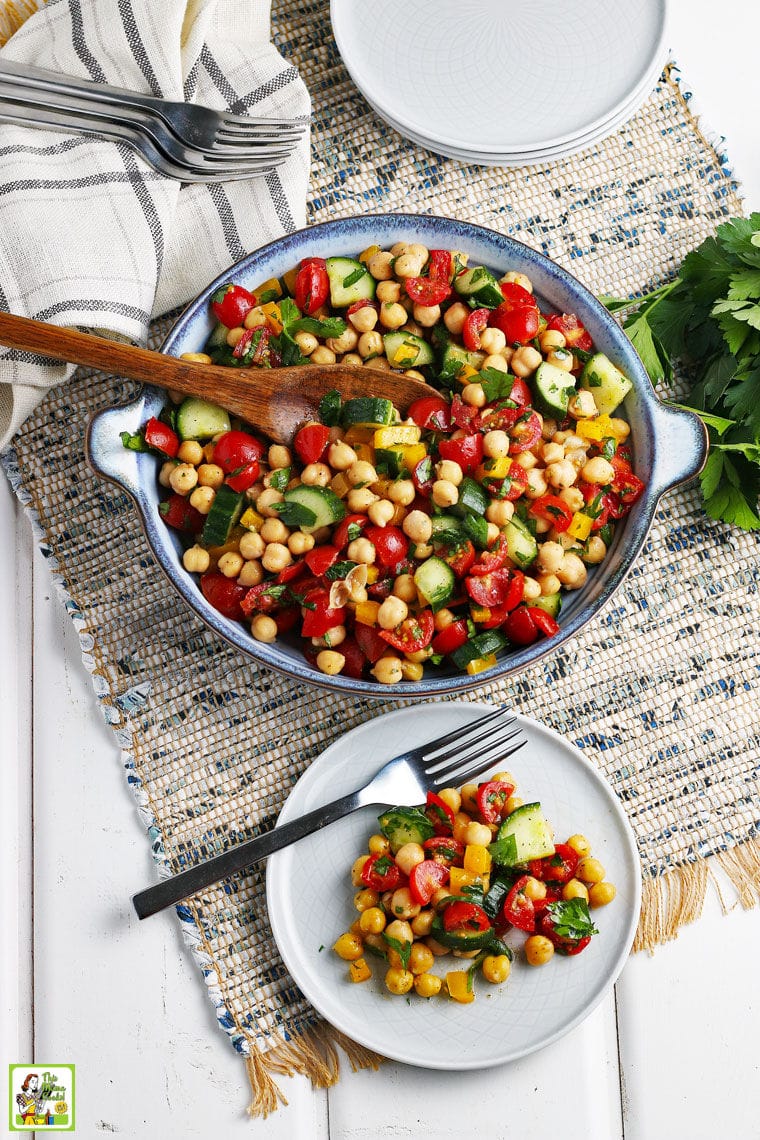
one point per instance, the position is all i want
(56, 81)
(171, 891)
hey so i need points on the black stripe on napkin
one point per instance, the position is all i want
(138, 178)
(80, 45)
(239, 103)
(54, 148)
(218, 196)
(137, 47)
(279, 201)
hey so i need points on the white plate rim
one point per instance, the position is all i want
(274, 895)
(381, 106)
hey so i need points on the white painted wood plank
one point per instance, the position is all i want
(688, 1032)
(570, 1090)
(121, 999)
(16, 995)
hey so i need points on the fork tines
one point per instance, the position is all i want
(493, 736)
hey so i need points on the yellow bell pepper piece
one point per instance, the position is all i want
(494, 468)
(340, 485)
(479, 613)
(272, 313)
(467, 374)
(364, 451)
(580, 526)
(270, 290)
(369, 252)
(459, 877)
(251, 519)
(357, 434)
(382, 486)
(372, 575)
(412, 454)
(399, 433)
(459, 987)
(477, 859)
(599, 427)
(366, 612)
(480, 664)
(405, 355)
(359, 971)
(289, 280)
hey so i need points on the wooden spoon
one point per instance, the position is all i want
(273, 400)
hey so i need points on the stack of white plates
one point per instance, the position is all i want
(502, 82)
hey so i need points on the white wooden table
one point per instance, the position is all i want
(671, 1053)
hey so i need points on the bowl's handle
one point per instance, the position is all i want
(105, 451)
(680, 447)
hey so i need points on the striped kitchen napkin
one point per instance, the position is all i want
(90, 235)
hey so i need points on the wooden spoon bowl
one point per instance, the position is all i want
(276, 401)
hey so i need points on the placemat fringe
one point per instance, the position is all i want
(741, 865)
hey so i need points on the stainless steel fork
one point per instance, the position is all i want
(402, 781)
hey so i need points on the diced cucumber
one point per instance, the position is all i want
(226, 509)
(607, 383)
(399, 459)
(446, 528)
(460, 939)
(473, 499)
(476, 528)
(480, 284)
(554, 387)
(200, 419)
(366, 411)
(524, 835)
(435, 582)
(521, 545)
(405, 350)
(481, 645)
(402, 825)
(453, 358)
(551, 603)
(217, 337)
(350, 281)
(322, 502)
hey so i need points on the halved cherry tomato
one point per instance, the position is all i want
(370, 642)
(511, 487)
(543, 621)
(321, 558)
(516, 295)
(444, 849)
(627, 485)
(463, 415)
(236, 449)
(345, 531)
(492, 799)
(310, 442)
(231, 305)
(244, 477)
(255, 347)
(467, 451)
(414, 632)
(491, 559)
(322, 617)
(440, 814)
(425, 879)
(439, 264)
(490, 589)
(557, 868)
(500, 418)
(312, 288)
(473, 326)
(520, 627)
(319, 261)
(260, 599)
(224, 594)
(390, 543)
(525, 434)
(518, 323)
(520, 392)
(431, 413)
(161, 438)
(297, 570)
(355, 659)
(380, 873)
(451, 637)
(573, 331)
(518, 909)
(459, 558)
(465, 918)
(381, 589)
(286, 618)
(552, 509)
(178, 514)
(567, 946)
(427, 291)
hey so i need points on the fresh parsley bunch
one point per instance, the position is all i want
(709, 318)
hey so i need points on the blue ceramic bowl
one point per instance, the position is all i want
(669, 445)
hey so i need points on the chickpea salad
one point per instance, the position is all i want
(391, 546)
(454, 877)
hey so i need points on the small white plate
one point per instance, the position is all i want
(310, 901)
(494, 75)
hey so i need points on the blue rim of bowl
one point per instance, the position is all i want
(637, 524)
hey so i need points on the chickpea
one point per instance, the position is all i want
(230, 564)
(542, 527)
(388, 292)
(525, 361)
(419, 657)
(538, 950)
(550, 555)
(381, 512)
(183, 478)
(534, 889)
(361, 550)
(497, 361)
(316, 475)
(600, 894)
(346, 342)
(512, 804)
(380, 266)
(372, 920)
(392, 316)
(276, 557)
(549, 430)
(550, 584)
(370, 344)
(404, 588)
(418, 526)
(392, 612)
(364, 319)
(274, 530)
(427, 315)
(579, 844)
(582, 405)
(590, 870)
(427, 985)
(266, 501)
(537, 485)
(531, 589)
(561, 474)
(196, 358)
(478, 833)
(348, 947)
(360, 499)
(210, 475)
(445, 493)
(341, 456)
(351, 358)
(356, 871)
(378, 845)
(255, 317)
(408, 856)
(493, 342)
(361, 473)
(575, 889)
(264, 628)
(279, 456)
(164, 474)
(438, 950)
(450, 469)
(196, 560)
(379, 363)
(573, 497)
(420, 958)
(599, 471)
(402, 492)
(190, 452)
(451, 798)
(496, 968)
(398, 980)
(408, 265)
(387, 670)
(399, 928)
(252, 545)
(251, 574)
(550, 339)
(202, 498)
(572, 572)
(300, 543)
(404, 906)
(329, 661)
(595, 551)
(552, 453)
(561, 358)
(443, 619)
(527, 460)
(474, 395)
(322, 355)
(518, 279)
(422, 923)
(500, 511)
(469, 794)
(496, 444)
(234, 336)
(455, 316)
(307, 343)
(620, 428)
